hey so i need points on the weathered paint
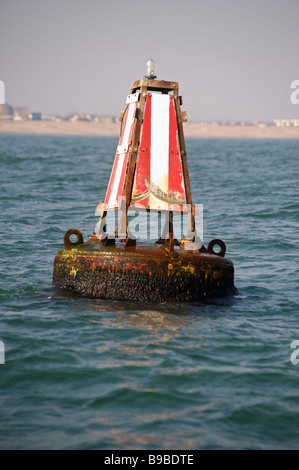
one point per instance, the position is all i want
(158, 181)
(159, 167)
(116, 184)
(143, 273)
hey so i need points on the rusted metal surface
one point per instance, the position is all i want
(134, 149)
(216, 242)
(155, 85)
(143, 273)
(177, 100)
(67, 238)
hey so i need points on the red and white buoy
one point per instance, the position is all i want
(149, 173)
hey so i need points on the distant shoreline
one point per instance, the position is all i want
(191, 129)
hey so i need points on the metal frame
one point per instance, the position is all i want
(144, 86)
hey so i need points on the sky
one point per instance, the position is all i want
(233, 59)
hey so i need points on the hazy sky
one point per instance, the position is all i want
(233, 59)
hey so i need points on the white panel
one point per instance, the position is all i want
(122, 149)
(133, 98)
(160, 140)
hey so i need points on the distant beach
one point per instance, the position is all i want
(191, 129)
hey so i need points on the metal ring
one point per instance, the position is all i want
(67, 242)
(220, 243)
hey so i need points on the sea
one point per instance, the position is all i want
(81, 373)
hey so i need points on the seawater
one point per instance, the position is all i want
(91, 374)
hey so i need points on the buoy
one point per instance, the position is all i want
(149, 174)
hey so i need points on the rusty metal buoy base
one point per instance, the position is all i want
(142, 272)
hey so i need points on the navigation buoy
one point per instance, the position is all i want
(149, 174)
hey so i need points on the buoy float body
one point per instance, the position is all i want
(143, 273)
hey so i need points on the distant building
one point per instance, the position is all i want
(6, 111)
(106, 119)
(90, 117)
(36, 116)
(20, 113)
(52, 117)
(71, 117)
(286, 122)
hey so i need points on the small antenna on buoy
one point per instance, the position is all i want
(150, 69)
